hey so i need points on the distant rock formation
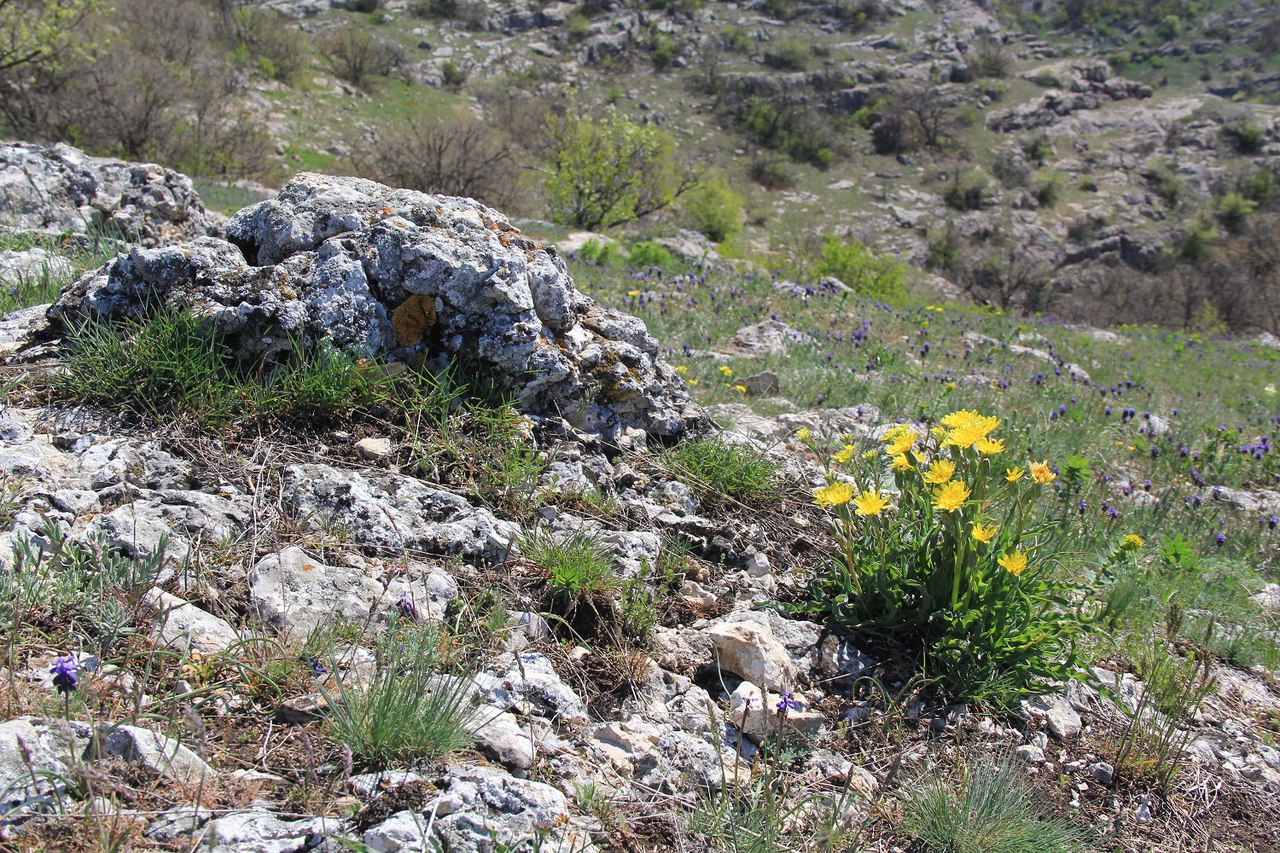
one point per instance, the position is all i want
(61, 189)
(399, 274)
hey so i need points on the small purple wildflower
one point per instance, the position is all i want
(787, 703)
(1220, 539)
(407, 607)
(64, 674)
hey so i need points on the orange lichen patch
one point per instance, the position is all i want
(413, 318)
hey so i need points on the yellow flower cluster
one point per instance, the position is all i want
(835, 494)
(900, 439)
(951, 496)
(967, 428)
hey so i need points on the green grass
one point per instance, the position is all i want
(43, 285)
(410, 711)
(991, 810)
(720, 471)
(175, 363)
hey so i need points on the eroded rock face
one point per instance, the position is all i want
(60, 188)
(408, 276)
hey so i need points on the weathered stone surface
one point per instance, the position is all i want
(297, 594)
(47, 745)
(417, 278)
(59, 189)
(750, 650)
(186, 627)
(391, 514)
(260, 831)
(157, 753)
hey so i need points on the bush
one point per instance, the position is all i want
(855, 265)
(713, 208)
(1232, 210)
(772, 173)
(788, 54)
(1048, 188)
(718, 471)
(277, 45)
(968, 191)
(609, 171)
(649, 254)
(954, 571)
(357, 57)
(453, 156)
(994, 811)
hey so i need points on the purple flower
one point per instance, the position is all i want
(407, 607)
(1272, 522)
(1220, 539)
(787, 703)
(317, 668)
(64, 674)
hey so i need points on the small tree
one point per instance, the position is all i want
(38, 32)
(714, 208)
(608, 171)
(456, 156)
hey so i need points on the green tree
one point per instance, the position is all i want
(607, 171)
(39, 32)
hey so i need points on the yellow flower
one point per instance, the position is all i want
(845, 455)
(870, 503)
(983, 534)
(726, 370)
(1132, 542)
(900, 439)
(869, 455)
(682, 369)
(741, 389)
(803, 434)
(1014, 474)
(940, 471)
(833, 495)
(1041, 474)
(959, 418)
(966, 428)
(1015, 563)
(988, 446)
(951, 497)
(900, 463)
(633, 293)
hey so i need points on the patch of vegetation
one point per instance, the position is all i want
(719, 470)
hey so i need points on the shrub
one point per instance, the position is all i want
(1048, 188)
(855, 265)
(1245, 136)
(969, 190)
(1232, 210)
(454, 156)
(649, 254)
(771, 172)
(949, 564)
(993, 811)
(409, 711)
(274, 41)
(609, 171)
(357, 57)
(788, 54)
(713, 208)
(718, 470)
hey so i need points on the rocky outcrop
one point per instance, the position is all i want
(1073, 85)
(60, 189)
(401, 275)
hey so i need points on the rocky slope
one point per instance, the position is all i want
(267, 542)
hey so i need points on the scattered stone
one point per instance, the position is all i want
(749, 650)
(59, 189)
(157, 753)
(297, 594)
(1029, 754)
(1102, 773)
(762, 384)
(501, 737)
(182, 625)
(374, 449)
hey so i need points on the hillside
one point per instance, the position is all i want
(1078, 159)
(690, 426)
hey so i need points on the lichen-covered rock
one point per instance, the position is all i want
(60, 188)
(408, 276)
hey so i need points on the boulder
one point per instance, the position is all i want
(393, 273)
(60, 189)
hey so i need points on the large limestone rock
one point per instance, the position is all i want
(60, 188)
(407, 276)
